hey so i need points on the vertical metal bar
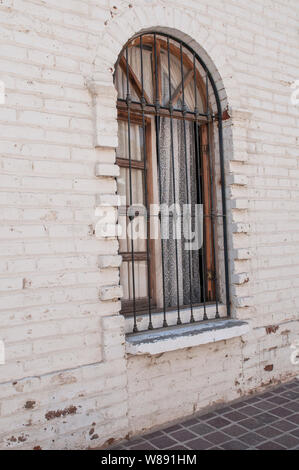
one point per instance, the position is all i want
(224, 220)
(200, 198)
(179, 322)
(131, 217)
(143, 102)
(157, 99)
(212, 214)
(187, 177)
(157, 124)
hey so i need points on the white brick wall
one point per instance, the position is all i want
(59, 276)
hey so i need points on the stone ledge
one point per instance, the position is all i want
(184, 336)
(111, 292)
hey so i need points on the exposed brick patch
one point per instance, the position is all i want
(29, 405)
(271, 329)
(58, 413)
(225, 115)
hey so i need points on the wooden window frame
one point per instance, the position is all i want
(141, 304)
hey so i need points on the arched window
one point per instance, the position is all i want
(170, 216)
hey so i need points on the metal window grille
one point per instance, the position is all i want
(170, 152)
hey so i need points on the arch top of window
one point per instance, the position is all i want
(163, 72)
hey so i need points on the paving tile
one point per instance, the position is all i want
(252, 400)
(292, 405)
(234, 445)
(295, 432)
(265, 405)
(208, 416)
(176, 427)
(217, 437)
(198, 444)
(288, 441)
(281, 412)
(291, 394)
(235, 416)
(269, 445)
(280, 389)
(252, 439)
(162, 442)
(224, 410)
(201, 429)
(235, 430)
(183, 435)
(238, 405)
(294, 419)
(284, 425)
(267, 395)
(269, 432)
(190, 422)
(152, 435)
(251, 424)
(266, 418)
(219, 422)
(250, 410)
(279, 400)
(294, 384)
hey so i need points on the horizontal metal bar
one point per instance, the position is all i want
(136, 107)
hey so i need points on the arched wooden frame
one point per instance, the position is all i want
(146, 108)
(175, 51)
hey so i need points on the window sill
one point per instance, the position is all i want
(185, 313)
(184, 336)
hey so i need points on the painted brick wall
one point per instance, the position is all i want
(67, 382)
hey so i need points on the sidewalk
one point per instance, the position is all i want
(268, 421)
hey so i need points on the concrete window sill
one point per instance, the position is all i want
(184, 336)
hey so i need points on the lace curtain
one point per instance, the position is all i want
(174, 188)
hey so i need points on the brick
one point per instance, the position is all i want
(109, 261)
(241, 278)
(111, 292)
(108, 200)
(242, 254)
(240, 180)
(107, 170)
